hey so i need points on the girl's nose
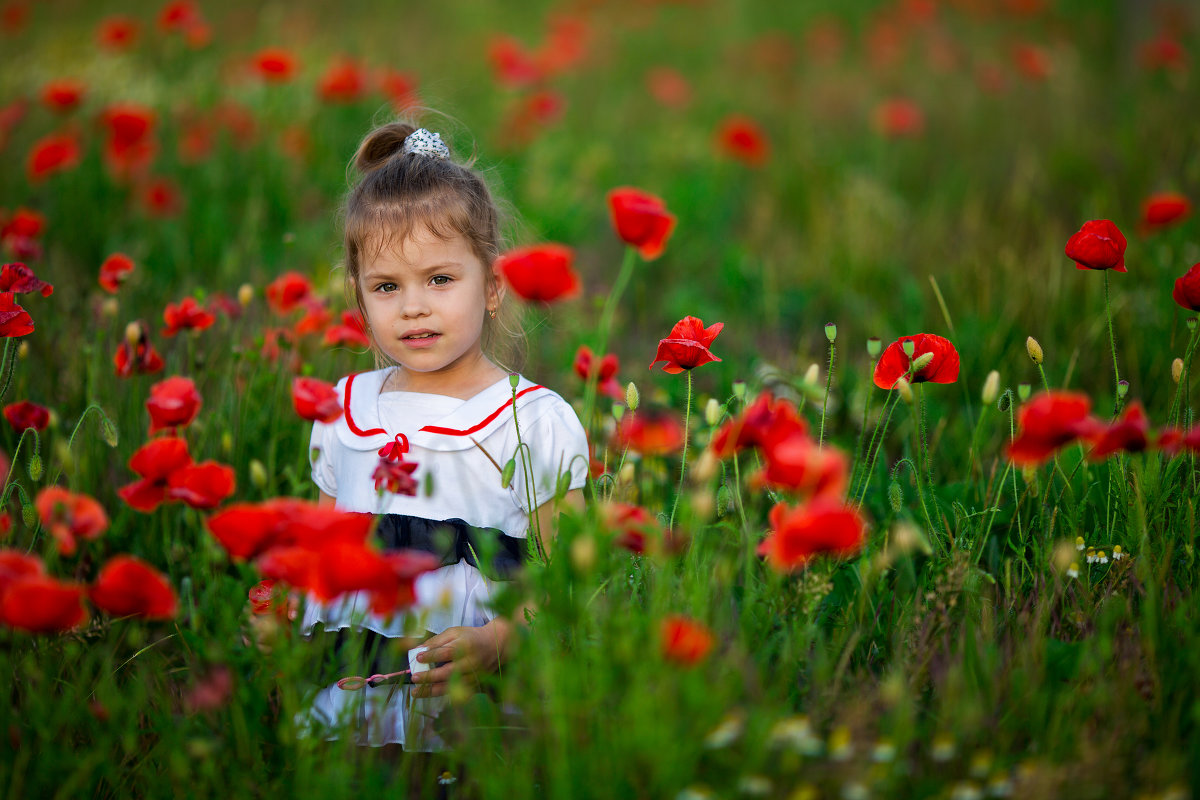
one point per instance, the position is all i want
(414, 305)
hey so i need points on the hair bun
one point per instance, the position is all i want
(380, 145)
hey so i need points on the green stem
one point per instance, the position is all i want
(825, 400)
(7, 364)
(687, 419)
(873, 448)
(1176, 409)
(1112, 340)
(606, 320)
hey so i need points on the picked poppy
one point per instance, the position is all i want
(69, 517)
(40, 604)
(641, 220)
(135, 353)
(540, 273)
(811, 529)
(154, 461)
(315, 400)
(51, 154)
(684, 641)
(19, 279)
(129, 587)
(893, 364)
(650, 432)
(186, 315)
(114, 271)
(686, 347)
(1164, 210)
(14, 320)
(741, 138)
(1130, 434)
(202, 485)
(395, 476)
(605, 370)
(173, 403)
(25, 414)
(1049, 421)
(288, 291)
(1098, 245)
(1187, 289)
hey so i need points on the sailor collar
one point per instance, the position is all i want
(360, 427)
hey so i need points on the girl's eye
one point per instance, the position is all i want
(386, 287)
(440, 280)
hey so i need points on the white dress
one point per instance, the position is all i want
(457, 445)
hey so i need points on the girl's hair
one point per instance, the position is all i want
(399, 193)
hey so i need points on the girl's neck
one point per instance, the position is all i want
(463, 383)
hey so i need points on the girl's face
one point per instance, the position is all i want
(425, 304)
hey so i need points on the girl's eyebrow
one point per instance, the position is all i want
(387, 273)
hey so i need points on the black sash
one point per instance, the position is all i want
(454, 540)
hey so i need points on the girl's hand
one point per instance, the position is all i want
(464, 651)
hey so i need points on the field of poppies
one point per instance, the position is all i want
(903, 506)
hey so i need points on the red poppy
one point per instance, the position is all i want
(669, 87)
(529, 114)
(173, 403)
(13, 16)
(686, 347)
(117, 33)
(25, 414)
(1130, 433)
(407, 566)
(63, 95)
(211, 691)
(247, 530)
(265, 598)
(541, 273)
(343, 82)
(179, 16)
(69, 517)
(1164, 52)
(899, 117)
(641, 220)
(1187, 289)
(186, 315)
(154, 461)
(512, 64)
(1163, 210)
(743, 139)
(129, 146)
(395, 476)
(6, 524)
(605, 371)
(15, 565)
(14, 320)
(399, 87)
(650, 432)
(1098, 245)
(766, 419)
(288, 291)
(24, 222)
(274, 65)
(202, 485)
(315, 400)
(40, 604)
(353, 331)
(315, 318)
(129, 587)
(565, 46)
(634, 526)
(19, 279)
(114, 271)
(1031, 61)
(160, 197)
(196, 140)
(51, 154)
(221, 303)
(10, 116)
(816, 528)
(137, 356)
(1049, 421)
(684, 640)
(795, 462)
(893, 364)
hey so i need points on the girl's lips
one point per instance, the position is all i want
(421, 341)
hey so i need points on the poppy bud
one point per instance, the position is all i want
(1191, 323)
(739, 389)
(905, 390)
(245, 294)
(922, 362)
(108, 431)
(991, 388)
(618, 411)
(712, 412)
(583, 552)
(1122, 387)
(226, 444)
(513, 379)
(35, 467)
(28, 515)
(506, 475)
(313, 455)
(874, 347)
(631, 396)
(812, 374)
(564, 486)
(1005, 401)
(258, 474)
(1177, 370)
(895, 496)
(830, 332)
(23, 349)
(724, 500)
(909, 347)
(133, 332)
(1023, 391)
(428, 484)
(1034, 350)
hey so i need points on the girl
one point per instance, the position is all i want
(423, 440)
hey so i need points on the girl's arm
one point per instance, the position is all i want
(326, 500)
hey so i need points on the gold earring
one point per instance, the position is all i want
(492, 313)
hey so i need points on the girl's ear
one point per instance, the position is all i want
(497, 289)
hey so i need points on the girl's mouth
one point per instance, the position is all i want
(420, 338)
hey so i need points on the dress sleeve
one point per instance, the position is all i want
(557, 444)
(320, 452)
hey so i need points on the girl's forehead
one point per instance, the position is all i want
(418, 249)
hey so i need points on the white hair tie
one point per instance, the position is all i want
(425, 143)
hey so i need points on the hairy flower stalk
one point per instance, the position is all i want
(831, 334)
(1112, 340)
(1180, 402)
(687, 419)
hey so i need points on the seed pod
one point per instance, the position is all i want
(506, 475)
(1191, 323)
(35, 467)
(712, 412)
(922, 362)
(724, 500)
(991, 388)
(28, 515)
(245, 294)
(831, 332)
(1023, 391)
(895, 496)
(1005, 401)
(632, 398)
(874, 347)
(108, 431)
(258, 474)
(1122, 387)
(1034, 350)
(1177, 370)
(739, 389)
(513, 379)
(909, 347)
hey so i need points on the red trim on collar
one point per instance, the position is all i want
(428, 428)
